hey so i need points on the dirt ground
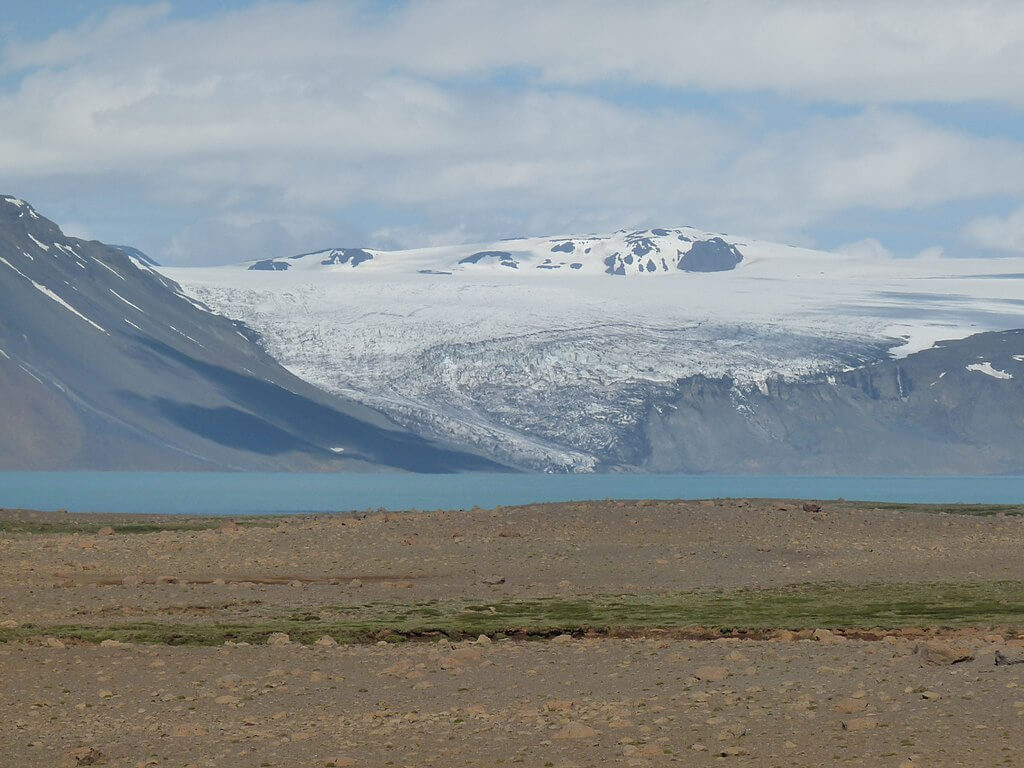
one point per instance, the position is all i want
(905, 698)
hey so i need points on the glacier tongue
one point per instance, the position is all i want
(559, 369)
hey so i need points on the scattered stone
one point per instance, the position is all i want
(943, 654)
(558, 705)
(576, 731)
(229, 681)
(826, 636)
(83, 756)
(651, 750)
(850, 706)
(860, 724)
(1002, 660)
(711, 674)
(732, 752)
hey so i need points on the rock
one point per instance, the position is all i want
(492, 580)
(558, 705)
(106, 530)
(1002, 660)
(278, 638)
(465, 654)
(711, 674)
(53, 642)
(106, 694)
(931, 695)
(731, 752)
(810, 507)
(850, 706)
(943, 654)
(227, 700)
(576, 731)
(484, 640)
(110, 643)
(825, 636)
(860, 724)
(83, 756)
(563, 638)
(340, 762)
(355, 583)
(326, 642)
(229, 681)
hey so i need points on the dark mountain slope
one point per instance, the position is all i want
(104, 364)
(957, 408)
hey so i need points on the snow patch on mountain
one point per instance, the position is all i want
(988, 370)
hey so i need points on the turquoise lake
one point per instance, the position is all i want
(258, 493)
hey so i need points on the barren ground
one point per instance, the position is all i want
(615, 633)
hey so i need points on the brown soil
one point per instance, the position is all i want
(653, 699)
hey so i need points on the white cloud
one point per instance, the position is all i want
(286, 111)
(997, 233)
(869, 51)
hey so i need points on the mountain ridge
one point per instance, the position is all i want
(106, 364)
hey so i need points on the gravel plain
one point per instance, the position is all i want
(789, 695)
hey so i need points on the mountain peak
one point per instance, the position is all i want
(656, 251)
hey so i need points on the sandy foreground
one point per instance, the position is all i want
(847, 635)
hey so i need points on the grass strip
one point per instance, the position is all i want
(834, 606)
(85, 526)
(971, 510)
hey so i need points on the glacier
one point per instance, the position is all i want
(551, 353)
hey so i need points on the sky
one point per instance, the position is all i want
(211, 132)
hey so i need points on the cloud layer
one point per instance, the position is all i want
(290, 123)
